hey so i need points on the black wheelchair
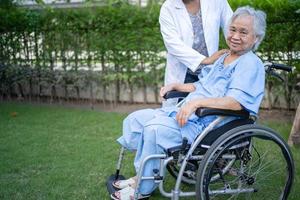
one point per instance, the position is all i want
(238, 160)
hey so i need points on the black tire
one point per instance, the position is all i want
(264, 169)
(187, 178)
(190, 175)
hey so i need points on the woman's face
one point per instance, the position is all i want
(241, 37)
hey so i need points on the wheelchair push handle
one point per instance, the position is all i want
(271, 67)
(278, 66)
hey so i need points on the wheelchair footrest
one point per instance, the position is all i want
(110, 188)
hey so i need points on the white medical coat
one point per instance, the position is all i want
(177, 31)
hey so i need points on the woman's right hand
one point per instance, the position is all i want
(214, 57)
(185, 112)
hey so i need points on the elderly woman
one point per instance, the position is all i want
(235, 81)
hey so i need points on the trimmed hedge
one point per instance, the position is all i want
(118, 44)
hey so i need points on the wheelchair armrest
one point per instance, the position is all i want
(201, 112)
(173, 150)
(175, 94)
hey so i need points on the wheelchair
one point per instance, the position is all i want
(238, 160)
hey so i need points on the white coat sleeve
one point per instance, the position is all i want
(175, 46)
(225, 16)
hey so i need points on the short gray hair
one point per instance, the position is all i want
(259, 22)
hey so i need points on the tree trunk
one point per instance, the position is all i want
(294, 138)
(117, 90)
(90, 82)
(53, 88)
(37, 67)
(20, 92)
(144, 85)
(91, 95)
(77, 86)
(269, 94)
(131, 98)
(145, 98)
(40, 58)
(104, 98)
(30, 89)
(156, 93)
(65, 73)
(117, 86)
(28, 63)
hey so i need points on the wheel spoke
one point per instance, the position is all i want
(259, 172)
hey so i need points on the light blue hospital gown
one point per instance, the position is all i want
(151, 131)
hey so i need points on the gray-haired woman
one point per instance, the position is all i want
(235, 81)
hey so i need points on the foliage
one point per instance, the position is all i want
(115, 44)
(123, 40)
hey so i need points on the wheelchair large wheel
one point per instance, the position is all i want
(189, 176)
(263, 169)
(190, 173)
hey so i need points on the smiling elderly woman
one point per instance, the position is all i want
(235, 81)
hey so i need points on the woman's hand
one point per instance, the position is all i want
(214, 57)
(185, 112)
(166, 89)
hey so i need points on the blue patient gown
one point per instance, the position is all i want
(151, 131)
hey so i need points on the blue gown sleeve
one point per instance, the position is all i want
(202, 75)
(248, 83)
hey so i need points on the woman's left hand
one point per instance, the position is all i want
(185, 112)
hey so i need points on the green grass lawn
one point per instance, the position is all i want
(58, 153)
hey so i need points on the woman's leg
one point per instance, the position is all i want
(133, 126)
(159, 134)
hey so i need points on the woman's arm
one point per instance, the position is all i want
(228, 103)
(220, 103)
(188, 87)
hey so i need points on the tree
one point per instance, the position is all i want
(294, 138)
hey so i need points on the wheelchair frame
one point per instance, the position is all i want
(176, 193)
(237, 133)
